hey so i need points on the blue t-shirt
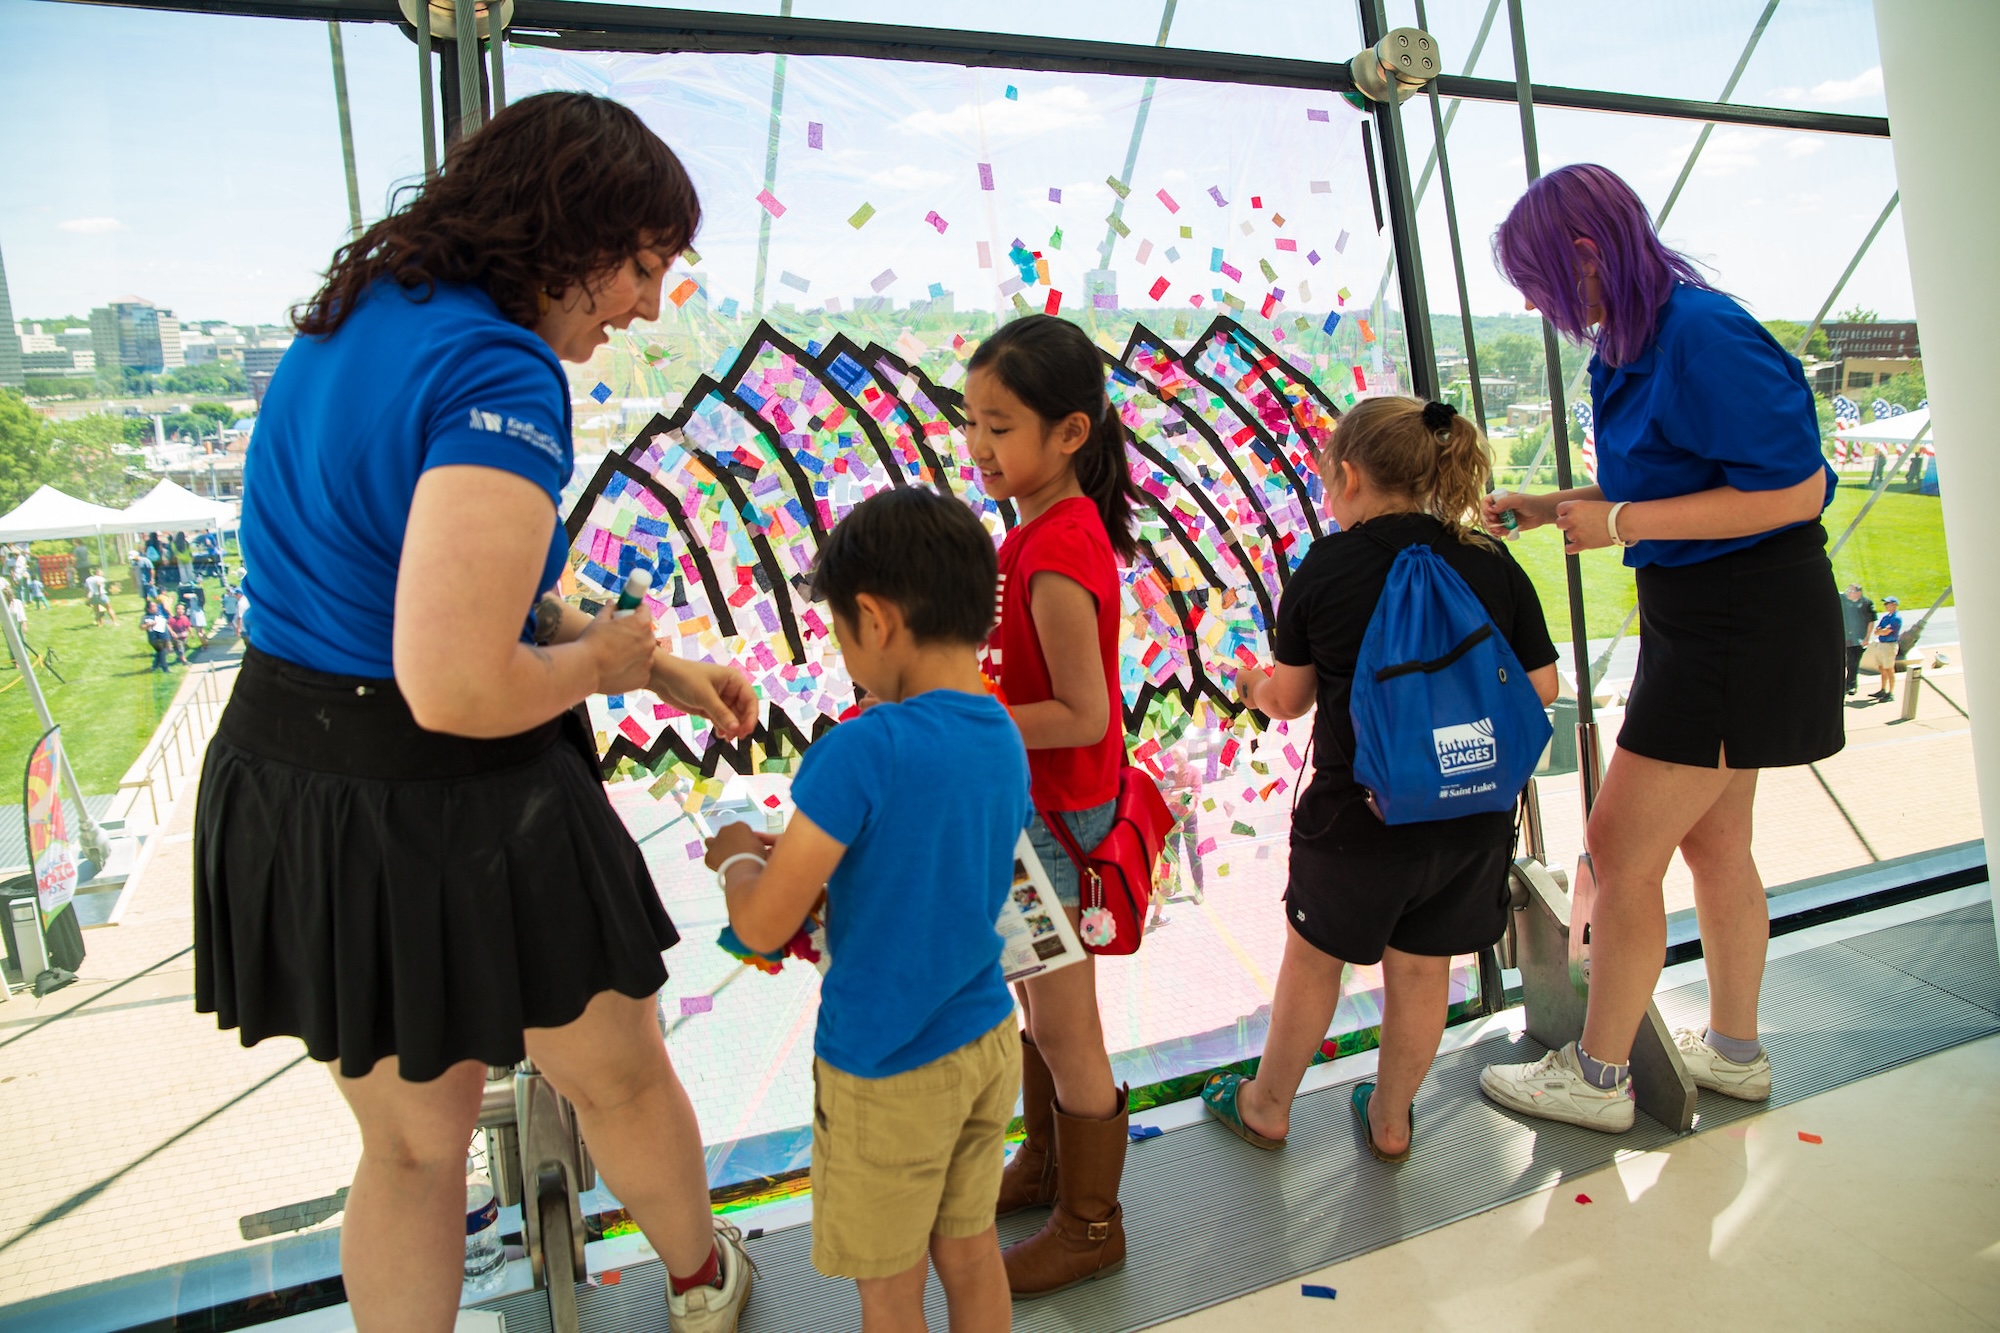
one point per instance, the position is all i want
(1714, 401)
(930, 796)
(1889, 629)
(350, 422)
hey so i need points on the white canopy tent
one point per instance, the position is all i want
(171, 507)
(49, 513)
(1895, 431)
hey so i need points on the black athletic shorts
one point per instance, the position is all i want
(1442, 896)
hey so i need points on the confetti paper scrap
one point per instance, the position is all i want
(937, 291)
(1013, 93)
(1158, 289)
(696, 1004)
(861, 216)
(1810, 1138)
(985, 255)
(1367, 334)
(985, 175)
(1215, 193)
(602, 393)
(1168, 200)
(937, 222)
(1118, 187)
(883, 279)
(1287, 243)
(1313, 1289)
(1053, 306)
(1118, 224)
(684, 292)
(770, 203)
(1137, 1132)
(695, 849)
(1332, 322)
(1312, 257)
(1173, 255)
(815, 134)
(1315, 113)
(1187, 233)
(1055, 194)
(1322, 187)
(1340, 246)
(794, 281)
(1256, 201)
(1583, 1198)
(1055, 239)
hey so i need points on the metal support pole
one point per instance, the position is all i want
(1132, 148)
(1403, 223)
(1848, 272)
(1701, 140)
(770, 170)
(471, 102)
(495, 38)
(346, 128)
(425, 95)
(1451, 230)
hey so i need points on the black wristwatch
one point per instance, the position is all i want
(548, 619)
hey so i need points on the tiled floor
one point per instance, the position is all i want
(1890, 1221)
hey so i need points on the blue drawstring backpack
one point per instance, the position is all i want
(1445, 721)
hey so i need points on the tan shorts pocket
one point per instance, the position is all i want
(909, 1119)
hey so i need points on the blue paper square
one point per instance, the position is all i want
(602, 393)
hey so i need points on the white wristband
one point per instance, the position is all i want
(1611, 524)
(722, 871)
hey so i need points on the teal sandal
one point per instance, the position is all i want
(1359, 1101)
(1219, 1096)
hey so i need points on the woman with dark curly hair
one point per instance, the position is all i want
(403, 854)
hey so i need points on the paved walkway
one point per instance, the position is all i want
(140, 1136)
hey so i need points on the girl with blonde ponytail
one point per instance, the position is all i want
(1409, 896)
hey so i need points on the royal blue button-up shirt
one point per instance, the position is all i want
(1713, 401)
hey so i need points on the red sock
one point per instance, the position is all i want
(705, 1276)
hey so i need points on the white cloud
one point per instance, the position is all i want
(91, 226)
(1804, 146)
(910, 177)
(1868, 83)
(1063, 107)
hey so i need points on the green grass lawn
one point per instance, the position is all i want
(107, 705)
(1899, 549)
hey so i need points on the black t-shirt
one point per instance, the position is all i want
(1322, 619)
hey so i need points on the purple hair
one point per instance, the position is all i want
(1535, 250)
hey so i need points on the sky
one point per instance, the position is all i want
(195, 161)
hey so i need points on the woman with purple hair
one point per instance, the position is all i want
(1710, 477)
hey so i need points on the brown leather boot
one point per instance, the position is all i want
(1029, 1180)
(1085, 1235)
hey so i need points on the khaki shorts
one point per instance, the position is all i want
(1879, 657)
(896, 1159)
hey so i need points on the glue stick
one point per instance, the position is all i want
(636, 584)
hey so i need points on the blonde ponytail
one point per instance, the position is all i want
(1427, 452)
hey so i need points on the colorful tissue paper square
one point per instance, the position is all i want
(770, 203)
(985, 175)
(1315, 113)
(1055, 195)
(696, 1004)
(602, 393)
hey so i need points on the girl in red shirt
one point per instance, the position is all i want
(1044, 435)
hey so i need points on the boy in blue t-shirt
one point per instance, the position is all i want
(1882, 647)
(908, 815)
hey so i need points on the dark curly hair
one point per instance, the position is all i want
(551, 192)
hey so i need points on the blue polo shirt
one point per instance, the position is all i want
(350, 422)
(1713, 401)
(930, 796)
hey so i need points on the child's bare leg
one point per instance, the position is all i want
(974, 1281)
(895, 1304)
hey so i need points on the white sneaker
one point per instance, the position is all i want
(1554, 1088)
(1718, 1073)
(715, 1309)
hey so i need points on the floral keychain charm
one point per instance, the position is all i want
(1098, 927)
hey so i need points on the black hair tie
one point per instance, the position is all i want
(1437, 416)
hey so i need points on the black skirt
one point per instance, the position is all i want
(1740, 658)
(376, 889)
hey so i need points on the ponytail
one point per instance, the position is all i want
(1052, 366)
(1427, 452)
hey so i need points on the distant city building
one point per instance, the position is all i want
(262, 360)
(135, 333)
(197, 351)
(34, 340)
(10, 343)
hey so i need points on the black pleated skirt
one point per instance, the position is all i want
(1741, 658)
(376, 889)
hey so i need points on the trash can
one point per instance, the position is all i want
(63, 936)
(1562, 745)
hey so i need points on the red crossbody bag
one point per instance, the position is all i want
(1116, 879)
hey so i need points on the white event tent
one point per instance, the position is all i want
(171, 507)
(50, 513)
(1895, 431)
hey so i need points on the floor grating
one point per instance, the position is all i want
(1210, 1218)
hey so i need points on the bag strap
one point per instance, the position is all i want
(1053, 822)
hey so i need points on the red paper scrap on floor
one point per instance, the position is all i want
(1810, 1138)
(1583, 1198)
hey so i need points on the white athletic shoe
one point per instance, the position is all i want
(1554, 1088)
(715, 1309)
(1718, 1073)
